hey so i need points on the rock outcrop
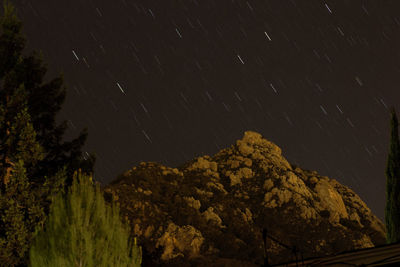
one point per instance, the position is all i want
(213, 210)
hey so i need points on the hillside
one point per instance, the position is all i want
(213, 209)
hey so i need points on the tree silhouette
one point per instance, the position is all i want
(34, 163)
(392, 211)
(44, 101)
(22, 204)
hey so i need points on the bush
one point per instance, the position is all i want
(82, 230)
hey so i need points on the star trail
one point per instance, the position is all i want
(168, 81)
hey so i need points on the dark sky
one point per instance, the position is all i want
(168, 81)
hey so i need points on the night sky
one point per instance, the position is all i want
(168, 81)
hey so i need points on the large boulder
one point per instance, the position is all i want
(179, 240)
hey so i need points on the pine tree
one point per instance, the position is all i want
(44, 102)
(21, 203)
(20, 212)
(392, 211)
(82, 230)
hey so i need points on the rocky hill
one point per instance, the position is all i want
(212, 210)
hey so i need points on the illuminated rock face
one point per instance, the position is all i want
(178, 240)
(331, 201)
(213, 209)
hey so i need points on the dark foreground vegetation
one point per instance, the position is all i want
(49, 214)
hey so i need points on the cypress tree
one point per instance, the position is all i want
(392, 210)
(82, 230)
(21, 203)
(44, 102)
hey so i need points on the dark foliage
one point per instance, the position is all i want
(392, 210)
(44, 102)
(33, 160)
(22, 204)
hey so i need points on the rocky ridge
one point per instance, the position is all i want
(212, 210)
